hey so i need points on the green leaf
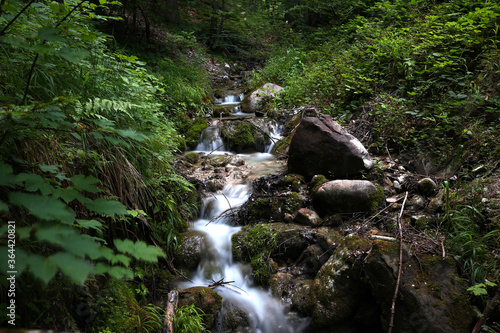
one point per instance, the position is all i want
(49, 168)
(7, 178)
(72, 55)
(120, 258)
(34, 182)
(145, 252)
(85, 183)
(55, 234)
(130, 134)
(107, 252)
(45, 208)
(69, 194)
(117, 272)
(50, 34)
(76, 269)
(124, 246)
(89, 224)
(41, 267)
(3, 207)
(107, 207)
(140, 250)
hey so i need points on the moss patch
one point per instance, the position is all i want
(242, 139)
(194, 132)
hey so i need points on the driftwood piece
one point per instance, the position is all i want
(168, 321)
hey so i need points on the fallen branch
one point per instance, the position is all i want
(168, 321)
(386, 238)
(219, 283)
(221, 214)
(400, 268)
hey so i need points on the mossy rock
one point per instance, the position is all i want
(232, 317)
(337, 288)
(206, 299)
(275, 208)
(260, 244)
(302, 297)
(194, 132)
(294, 182)
(281, 147)
(220, 161)
(317, 181)
(243, 139)
(192, 158)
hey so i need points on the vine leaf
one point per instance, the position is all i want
(107, 207)
(85, 183)
(45, 208)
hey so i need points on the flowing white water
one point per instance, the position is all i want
(266, 313)
(232, 99)
(210, 140)
(275, 137)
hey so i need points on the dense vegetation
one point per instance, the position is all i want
(96, 98)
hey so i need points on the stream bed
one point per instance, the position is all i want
(267, 314)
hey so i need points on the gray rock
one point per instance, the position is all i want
(307, 217)
(232, 317)
(321, 146)
(257, 99)
(432, 298)
(191, 250)
(416, 202)
(346, 196)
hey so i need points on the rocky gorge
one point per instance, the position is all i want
(327, 229)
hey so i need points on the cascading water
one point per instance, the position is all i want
(232, 99)
(210, 140)
(266, 313)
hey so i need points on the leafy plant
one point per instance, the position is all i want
(189, 319)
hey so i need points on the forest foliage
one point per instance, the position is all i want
(94, 96)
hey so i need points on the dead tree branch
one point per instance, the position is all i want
(400, 268)
(168, 321)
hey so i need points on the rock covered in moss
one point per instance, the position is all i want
(337, 289)
(206, 299)
(194, 132)
(346, 196)
(426, 186)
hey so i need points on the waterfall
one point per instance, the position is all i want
(266, 313)
(210, 140)
(275, 137)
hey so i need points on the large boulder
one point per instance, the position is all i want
(432, 297)
(258, 99)
(346, 196)
(321, 146)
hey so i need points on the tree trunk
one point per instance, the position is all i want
(172, 15)
(214, 19)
